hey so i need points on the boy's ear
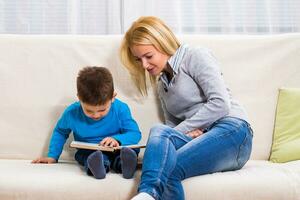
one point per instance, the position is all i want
(78, 97)
(114, 96)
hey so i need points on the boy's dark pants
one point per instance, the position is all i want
(111, 160)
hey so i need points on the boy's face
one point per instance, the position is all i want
(96, 112)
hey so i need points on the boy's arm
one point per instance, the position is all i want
(130, 132)
(57, 142)
(59, 136)
(58, 139)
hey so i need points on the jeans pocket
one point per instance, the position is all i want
(245, 149)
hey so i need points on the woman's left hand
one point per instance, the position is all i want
(195, 133)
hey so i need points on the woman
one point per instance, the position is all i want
(205, 130)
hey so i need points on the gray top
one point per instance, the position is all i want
(196, 96)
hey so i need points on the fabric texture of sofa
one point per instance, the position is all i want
(37, 81)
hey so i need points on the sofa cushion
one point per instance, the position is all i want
(286, 141)
(66, 180)
(19, 179)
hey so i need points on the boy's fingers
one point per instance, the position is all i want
(107, 142)
(113, 143)
(36, 160)
(104, 141)
(44, 160)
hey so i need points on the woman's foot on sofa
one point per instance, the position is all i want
(95, 165)
(128, 162)
(143, 196)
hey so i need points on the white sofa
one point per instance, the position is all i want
(37, 81)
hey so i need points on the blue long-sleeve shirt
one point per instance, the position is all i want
(118, 124)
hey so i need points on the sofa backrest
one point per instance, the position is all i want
(38, 76)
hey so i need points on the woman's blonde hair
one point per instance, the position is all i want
(146, 31)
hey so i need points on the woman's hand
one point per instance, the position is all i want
(45, 160)
(109, 142)
(195, 133)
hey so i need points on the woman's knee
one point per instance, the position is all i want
(159, 130)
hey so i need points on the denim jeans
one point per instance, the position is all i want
(172, 156)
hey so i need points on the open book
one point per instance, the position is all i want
(92, 146)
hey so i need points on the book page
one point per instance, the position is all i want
(93, 146)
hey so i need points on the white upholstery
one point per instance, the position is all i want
(257, 180)
(37, 81)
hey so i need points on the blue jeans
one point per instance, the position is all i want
(172, 156)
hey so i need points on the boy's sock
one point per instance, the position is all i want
(96, 165)
(128, 162)
(143, 196)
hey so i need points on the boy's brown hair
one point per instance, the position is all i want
(95, 85)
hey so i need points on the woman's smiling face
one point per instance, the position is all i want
(151, 59)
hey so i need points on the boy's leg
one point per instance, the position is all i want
(95, 162)
(125, 161)
(81, 157)
(128, 162)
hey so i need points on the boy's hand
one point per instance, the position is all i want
(46, 160)
(195, 133)
(109, 142)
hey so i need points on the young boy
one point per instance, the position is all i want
(98, 117)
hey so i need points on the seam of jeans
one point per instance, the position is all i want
(163, 163)
(153, 191)
(244, 124)
(242, 146)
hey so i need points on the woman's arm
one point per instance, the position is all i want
(204, 70)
